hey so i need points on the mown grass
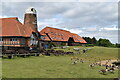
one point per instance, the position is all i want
(59, 66)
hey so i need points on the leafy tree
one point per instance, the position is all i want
(100, 42)
(93, 41)
(104, 42)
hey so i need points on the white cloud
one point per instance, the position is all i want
(83, 18)
(60, 0)
(91, 29)
(77, 31)
(112, 28)
(3, 16)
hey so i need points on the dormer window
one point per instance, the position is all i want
(53, 37)
(58, 38)
(59, 34)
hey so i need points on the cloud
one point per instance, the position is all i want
(77, 31)
(111, 35)
(109, 29)
(84, 18)
(60, 0)
(3, 16)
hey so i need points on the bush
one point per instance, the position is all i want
(62, 44)
(117, 45)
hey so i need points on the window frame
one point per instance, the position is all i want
(14, 39)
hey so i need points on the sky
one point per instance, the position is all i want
(86, 18)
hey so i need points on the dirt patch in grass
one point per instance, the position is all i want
(108, 62)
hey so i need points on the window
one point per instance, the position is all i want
(43, 37)
(62, 35)
(42, 44)
(58, 38)
(53, 37)
(73, 36)
(22, 41)
(13, 39)
(62, 38)
(1, 39)
(53, 33)
(59, 34)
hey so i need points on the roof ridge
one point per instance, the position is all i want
(10, 18)
(57, 28)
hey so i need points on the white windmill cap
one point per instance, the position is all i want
(31, 10)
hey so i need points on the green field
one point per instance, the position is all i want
(59, 66)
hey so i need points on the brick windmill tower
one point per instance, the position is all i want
(30, 18)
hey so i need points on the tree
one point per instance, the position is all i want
(88, 39)
(100, 42)
(104, 42)
(94, 41)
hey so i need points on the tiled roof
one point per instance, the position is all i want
(77, 38)
(60, 35)
(12, 27)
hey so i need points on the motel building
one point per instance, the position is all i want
(15, 35)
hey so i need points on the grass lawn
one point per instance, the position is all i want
(59, 66)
